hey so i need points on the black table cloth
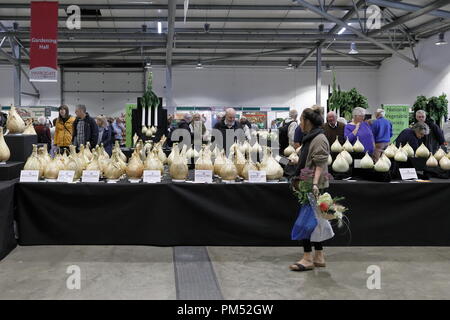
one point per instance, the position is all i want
(7, 239)
(170, 214)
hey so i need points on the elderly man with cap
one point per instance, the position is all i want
(382, 133)
(333, 129)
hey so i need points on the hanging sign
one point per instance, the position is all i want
(399, 117)
(44, 41)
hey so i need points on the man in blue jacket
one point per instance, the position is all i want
(382, 133)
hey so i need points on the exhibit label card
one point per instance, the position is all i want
(408, 173)
(90, 176)
(66, 176)
(357, 163)
(29, 176)
(152, 176)
(203, 176)
(255, 176)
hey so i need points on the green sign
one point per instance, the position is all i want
(128, 114)
(399, 116)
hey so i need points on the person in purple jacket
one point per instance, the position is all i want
(360, 129)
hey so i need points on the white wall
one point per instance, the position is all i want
(400, 82)
(260, 87)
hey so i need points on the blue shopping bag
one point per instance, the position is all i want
(305, 224)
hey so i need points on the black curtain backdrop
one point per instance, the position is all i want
(171, 214)
(7, 239)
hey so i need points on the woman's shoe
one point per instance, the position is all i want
(299, 267)
(319, 265)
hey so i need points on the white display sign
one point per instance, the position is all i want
(152, 176)
(255, 176)
(408, 173)
(66, 176)
(90, 176)
(357, 163)
(203, 176)
(29, 176)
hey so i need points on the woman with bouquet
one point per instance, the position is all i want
(311, 176)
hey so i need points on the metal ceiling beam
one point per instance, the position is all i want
(162, 62)
(333, 30)
(410, 16)
(141, 6)
(426, 25)
(357, 32)
(199, 45)
(181, 19)
(352, 56)
(435, 31)
(199, 36)
(26, 31)
(98, 55)
(409, 7)
(278, 53)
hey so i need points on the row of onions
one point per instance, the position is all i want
(238, 163)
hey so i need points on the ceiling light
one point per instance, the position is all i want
(148, 64)
(441, 41)
(199, 65)
(159, 27)
(341, 31)
(327, 68)
(353, 49)
(290, 66)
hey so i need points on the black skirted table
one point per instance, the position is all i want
(171, 214)
(7, 239)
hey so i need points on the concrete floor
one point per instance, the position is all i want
(131, 272)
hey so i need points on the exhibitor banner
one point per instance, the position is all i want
(399, 116)
(44, 41)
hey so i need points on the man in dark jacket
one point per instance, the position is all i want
(334, 129)
(84, 128)
(435, 139)
(229, 125)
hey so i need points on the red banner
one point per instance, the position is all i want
(44, 41)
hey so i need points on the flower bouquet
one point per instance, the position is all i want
(329, 208)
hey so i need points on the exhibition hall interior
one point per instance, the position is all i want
(240, 150)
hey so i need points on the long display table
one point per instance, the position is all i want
(171, 214)
(7, 239)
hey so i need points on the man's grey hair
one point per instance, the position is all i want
(341, 120)
(41, 120)
(332, 113)
(293, 114)
(381, 112)
(221, 114)
(421, 128)
(358, 111)
(230, 110)
(421, 112)
(81, 107)
(187, 116)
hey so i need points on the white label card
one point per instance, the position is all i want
(90, 176)
(255, 176)
(203, 176)
(29, 176)
(357, 163)
(66, 176)
(152, 176)
(408, 173)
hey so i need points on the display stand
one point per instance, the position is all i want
(20, 145)
(10, 170)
